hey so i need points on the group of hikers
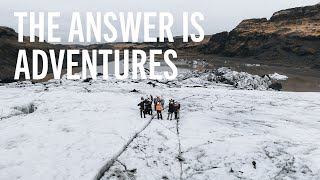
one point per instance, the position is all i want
(158, 105)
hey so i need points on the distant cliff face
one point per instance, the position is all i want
(290, 35)
(9, 48)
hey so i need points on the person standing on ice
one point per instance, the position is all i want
(155, 102)
(142, 108)
(161, 99)
(149, 106)
(176, 109)
(159, 110)
(171, 109)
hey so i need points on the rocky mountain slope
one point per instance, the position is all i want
(9, 48)
(290, 36)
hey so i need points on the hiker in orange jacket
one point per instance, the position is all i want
(159, 110)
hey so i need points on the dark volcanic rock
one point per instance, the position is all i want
(6, 31)
(217, 42)
(276, 86)
(87, 80)
(297, 13)
(317, 66)
(7, 80)
(9, 48)
(291, 36)
(134, 90)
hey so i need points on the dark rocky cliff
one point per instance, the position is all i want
(290, 36)
(9, 48)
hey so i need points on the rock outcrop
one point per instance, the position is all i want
(9, 48)
(290, 36)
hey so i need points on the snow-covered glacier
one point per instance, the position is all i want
(65, 129)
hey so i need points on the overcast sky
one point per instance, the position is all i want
(220, 15)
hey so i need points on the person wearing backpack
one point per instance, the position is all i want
(176, 109)
(159, 110)
(148, 104)
(142, 108)
(170, 109)
(155, 102)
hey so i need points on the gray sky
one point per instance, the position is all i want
(220, 15)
